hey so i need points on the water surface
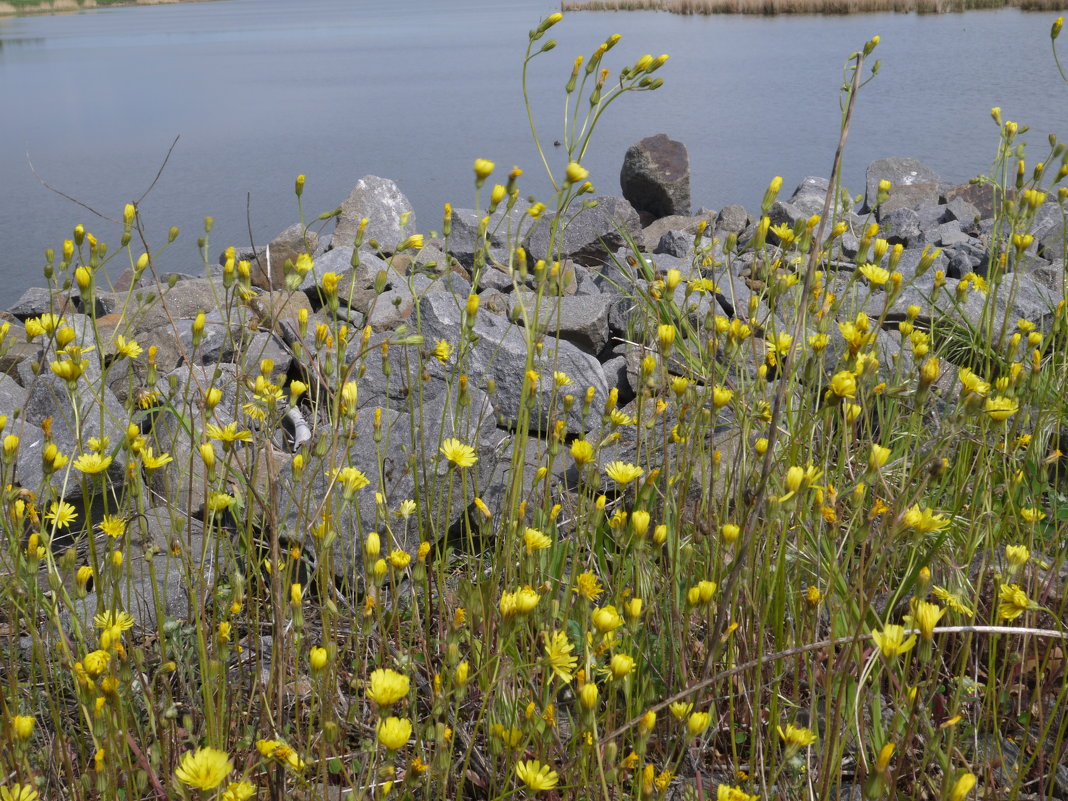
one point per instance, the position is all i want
(261, 90)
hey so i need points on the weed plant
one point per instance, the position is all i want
(822, 548)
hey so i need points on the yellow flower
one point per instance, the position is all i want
(576, 173)
(442, 351)
(22, 725)
(127, 347)
(697, 723)
(725, 792)
(844, 384)
(62, 514)
(113, 526)
(1014, 602)
(581, 452)
(1000, 408)
(606, 619)
(962, 787)
(153, 462)
(721, 396)
(878, 276)
(924, 520)
(622, 472)
(536, 776)
(412, 242)
(387, 687)
(483, 170)
(228, 433)
(18, 792)
(952, 601)
(588, 586)
(1017, 555)
(204, 769)
(796, 737)
(400, 559)
(620, 666)
(111, 619)
(1032, 514)
(352, 480)
(459, 454)
(393, 732)
(925, 617)
(535, 540)
(238, 791)
(558, 654)
(317, 658)
(220, 501)
(92, 463)
(878, 456)
(891, 640)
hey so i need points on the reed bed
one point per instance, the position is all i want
(773, 7)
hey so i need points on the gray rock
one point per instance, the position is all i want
(499, 353)
(268, 264)
(652, 233)
(582, 321)
(902, 173)
(493, 279)
(914, 196)
(675, 243)
(979, 196)
(36, 301)
(950, 234)
(1051, 243)
(655, 177)
(900, 226)
(266, 345)
(732, 220)
(501, 233)
(382, 203)
(591, 235)
(958, 208)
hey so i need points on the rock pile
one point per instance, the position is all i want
(587, 330)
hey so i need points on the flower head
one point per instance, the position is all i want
(387, 687)
(725, 792)
(238, 791)
(458, 453)
(536, 776)
(204, 769)
(92, 463)
(393, 732)
(1014, 602)
(891, 640)
(622, 472)
(558, 654)
(62, 514)
(588, 586)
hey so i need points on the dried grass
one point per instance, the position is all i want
(771, 7)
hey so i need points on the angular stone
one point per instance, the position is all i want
(655, 177)
(582, 321)
(675, 243)
(958, 208)
(914, 196)
(732, 220)
(652, 233)
(902, 173)
(499, 354)
(36, 301)
(268, 269)
(979, 196)
(591, 235)
(900, 226)
(382, 203)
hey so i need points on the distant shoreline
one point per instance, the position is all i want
(28, 7)
(774, 7)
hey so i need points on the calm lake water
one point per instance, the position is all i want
(261, 90)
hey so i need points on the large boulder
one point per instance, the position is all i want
(656, 177)
(382, 203)
(912, 184)
(590, 235)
